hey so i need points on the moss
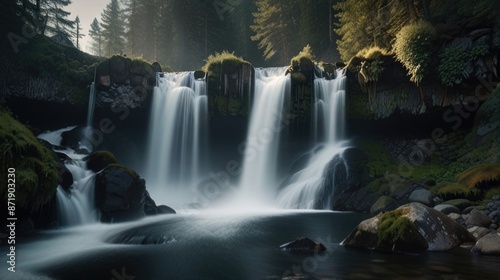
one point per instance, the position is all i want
(491, 193)
(447, 191)
(480, 175)
(35, 167)
(304, 60)
(98, 160)
(222, 62)
(396, 231)
(380, 161)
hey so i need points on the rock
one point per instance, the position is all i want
(493, 226)
(488, 244)
(460, 203)
(411, 227)
(447, 209)
(478, 232)
(457, 218)
(423, 196)
(384, 203)
(65, 177)
(99, 160)
(73, 138)
(478, 218)
(303, 245)
(468, 210)
(150, 207)
(120, 194)
(199, 75)
(156, 67)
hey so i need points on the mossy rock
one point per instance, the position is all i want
(395, 230)
(224, 62)
(491, 193)
(480, 176)
(99, 160)
(36, 176)
(460, 203)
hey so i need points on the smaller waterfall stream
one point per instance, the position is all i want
(306, 189)
(76, 205)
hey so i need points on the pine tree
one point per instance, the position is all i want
(57, 17)
(113, 29)
(95, 34)
(78, 33)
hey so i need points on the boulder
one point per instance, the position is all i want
(460, 203)
(488, 244)
(120, 194)
(303, 245)
(478, 232)
(164, 209)
(411, 227)
(423, 196)
(98, 160)
(150, 207)
(447, 209)
(478, 218)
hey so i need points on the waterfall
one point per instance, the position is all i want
(272, 89)
(306, 188)
(75, 206)
(178, 120)
(90, 110)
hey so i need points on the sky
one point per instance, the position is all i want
(87, 10)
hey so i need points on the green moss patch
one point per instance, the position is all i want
(397, 231)
(224, 62)
(35, 166)
(98, 160)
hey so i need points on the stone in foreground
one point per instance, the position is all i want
(488, 244)
(303, 245)
(411, 227)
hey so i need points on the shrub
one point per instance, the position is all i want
(480, 174)
(412, 48)
(225, 61)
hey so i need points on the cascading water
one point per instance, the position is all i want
(90, 110)
(178, 120)
(272, 89)
(306, 187)
(75, 205)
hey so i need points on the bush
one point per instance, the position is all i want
(480, 174)
(412, 48)
(225, 61)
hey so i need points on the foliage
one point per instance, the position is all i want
(95, 34)
(395, 228)
(57, 17)
(455, 59)
(480, 174)
(492, 192)
(447, 190)
(304, 56)
(412, 48)
(36, 175)
(77, 33)
(225, 61)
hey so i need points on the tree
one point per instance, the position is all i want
(95, 34)
(57, 17)
(113, 29)
(78, 34)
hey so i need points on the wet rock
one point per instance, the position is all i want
(411, 227)
(120, 194)
(423, 196)
(488, 244)
(199, 75)
(478, 218)
(478, 232)
(99, 160)
(150, 207)
(303, 245)
(460, 203)
(447, 209)
(164, 209)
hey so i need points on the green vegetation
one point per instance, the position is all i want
(413, 48)
(480, 174)
(225, 62)
(396, 231)
(35, 167)
(447, 190)
(304, 58)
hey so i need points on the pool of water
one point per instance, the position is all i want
(228, 245)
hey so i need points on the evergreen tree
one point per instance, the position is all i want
(95, 34)
(78, 33)
(57, 17)
(112, 29)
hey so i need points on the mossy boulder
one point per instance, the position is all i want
(411, 227)
(35, 174)
(460, 203)
(98, 160)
